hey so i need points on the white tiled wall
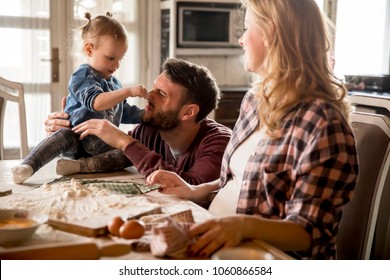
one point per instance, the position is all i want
(228, 70)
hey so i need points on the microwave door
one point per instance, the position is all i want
(203, 27)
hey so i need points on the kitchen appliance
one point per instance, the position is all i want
(207, 25)
(370, 90)
(369, 84)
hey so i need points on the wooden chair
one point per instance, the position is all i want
(13, 92)
(366, 217)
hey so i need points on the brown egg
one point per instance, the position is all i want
(132, 229)
(114, 225)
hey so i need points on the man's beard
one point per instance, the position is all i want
(163, 121)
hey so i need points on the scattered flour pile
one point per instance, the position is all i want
(72, 201)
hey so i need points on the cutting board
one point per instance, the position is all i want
(96, 229)
(97, 226)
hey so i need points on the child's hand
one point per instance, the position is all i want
(138, 91)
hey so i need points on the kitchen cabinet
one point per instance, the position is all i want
(229, 105)
(170, 26)
(225, 63)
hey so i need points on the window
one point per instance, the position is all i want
(126, 12)
(320, 3)
(24, 53)
(362, 44)
(29, 31)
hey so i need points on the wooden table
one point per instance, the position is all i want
(74, 246)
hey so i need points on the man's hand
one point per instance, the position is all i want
(57, 120)
(106, 131)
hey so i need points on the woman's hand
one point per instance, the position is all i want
(57, 120)
(105, 130)
(171, 184)
(229, 231)
(216, 234)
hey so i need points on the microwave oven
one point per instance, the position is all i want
(207, 25)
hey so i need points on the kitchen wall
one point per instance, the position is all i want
(228, 70)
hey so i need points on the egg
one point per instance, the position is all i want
(114, 225)
(132, 229)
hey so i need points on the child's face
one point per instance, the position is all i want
(105, 56)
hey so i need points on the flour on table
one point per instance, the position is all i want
(71, 201)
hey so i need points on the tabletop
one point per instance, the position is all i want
(82, 209)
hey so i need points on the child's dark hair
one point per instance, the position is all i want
(101, 26)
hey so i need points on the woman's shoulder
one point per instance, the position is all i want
(317, 115)
(318, 109)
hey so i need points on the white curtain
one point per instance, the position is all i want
(24, 29)
(363, 37)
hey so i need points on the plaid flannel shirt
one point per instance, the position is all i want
(306, 176)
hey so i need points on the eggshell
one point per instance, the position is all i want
(114, 225)
(132, 229)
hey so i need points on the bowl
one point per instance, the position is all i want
(17, 225)
(238, 253)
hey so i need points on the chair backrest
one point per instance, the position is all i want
(381, 246)
(13, 92)
(369, 103)
(378, 104)
(360, 216)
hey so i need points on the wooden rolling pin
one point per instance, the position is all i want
(65, 251)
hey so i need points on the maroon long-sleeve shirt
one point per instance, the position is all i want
(201, 163)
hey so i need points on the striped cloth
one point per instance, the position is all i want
(117, 187)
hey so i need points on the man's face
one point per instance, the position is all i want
(164, 104)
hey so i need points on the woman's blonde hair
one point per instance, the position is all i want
(297, 65)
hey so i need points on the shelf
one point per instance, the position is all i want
(239, 89)
(229, 106)
(209, 51)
